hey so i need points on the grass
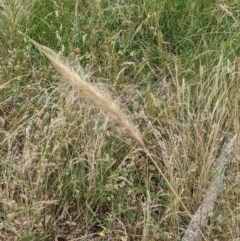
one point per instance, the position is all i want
(67, 170)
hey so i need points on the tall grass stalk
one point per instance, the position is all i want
(91, 93)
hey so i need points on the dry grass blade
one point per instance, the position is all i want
(91, 93)
(4, 86)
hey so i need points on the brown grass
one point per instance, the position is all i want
(91, 93)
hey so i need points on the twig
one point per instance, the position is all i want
(201, 217)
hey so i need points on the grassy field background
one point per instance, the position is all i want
(67, 171)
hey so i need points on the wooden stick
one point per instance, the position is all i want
(201, 217)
